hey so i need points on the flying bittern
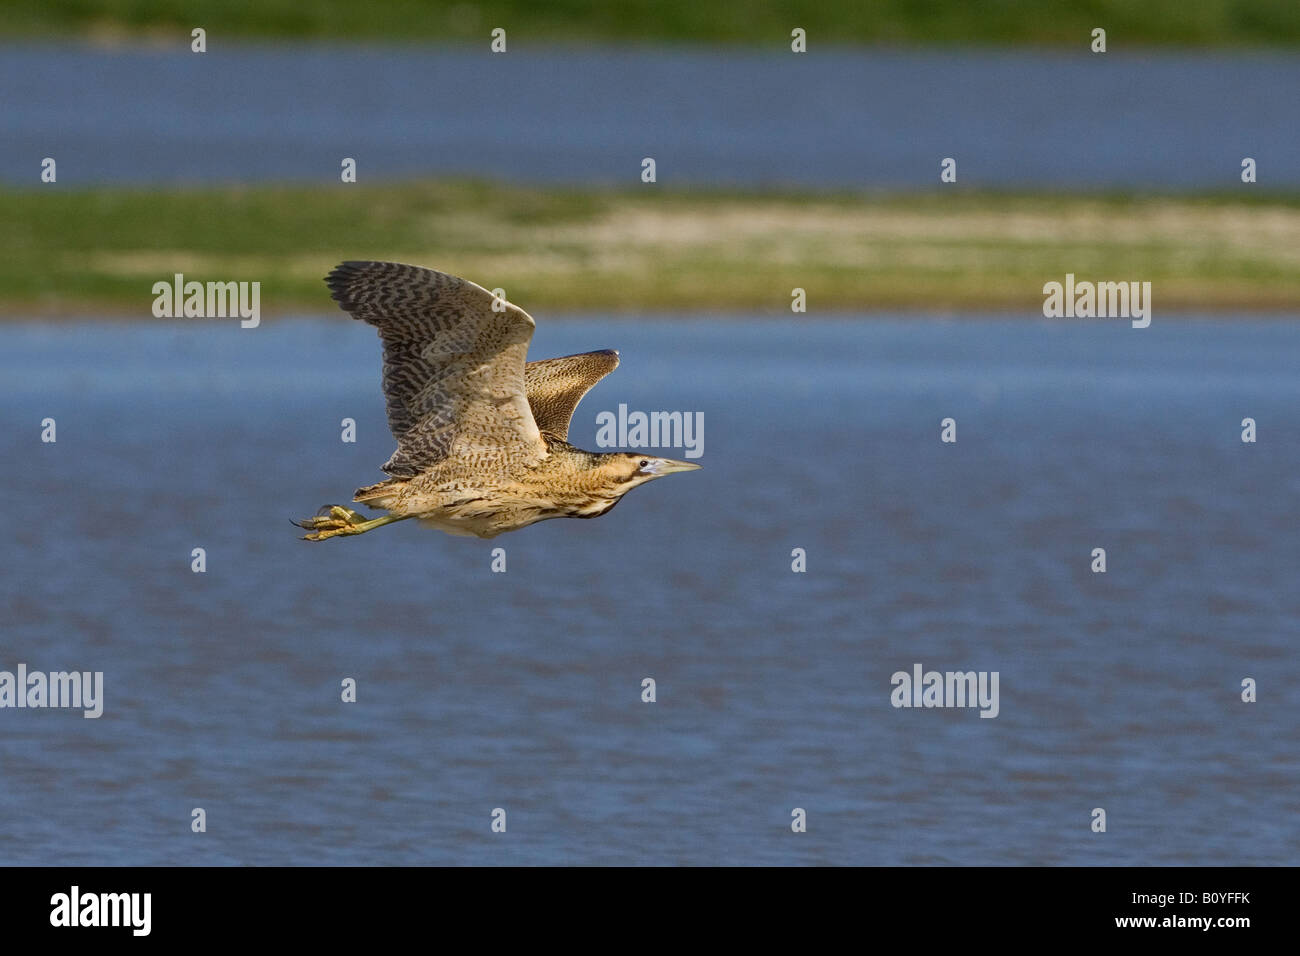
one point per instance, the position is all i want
(482, 437)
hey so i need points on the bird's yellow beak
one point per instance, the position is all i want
(669, 466)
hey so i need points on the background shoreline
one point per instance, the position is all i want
(651, 248)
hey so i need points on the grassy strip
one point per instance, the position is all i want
(1065, 23)
(99, 251)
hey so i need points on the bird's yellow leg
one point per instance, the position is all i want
(341, 521)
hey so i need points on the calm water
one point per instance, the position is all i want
(522, 690)
(826, 118)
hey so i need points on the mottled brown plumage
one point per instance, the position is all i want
(555, 386)
(481, 435)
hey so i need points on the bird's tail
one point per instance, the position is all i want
(380, 495)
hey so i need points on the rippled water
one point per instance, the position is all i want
(831, 117)
(522, 690)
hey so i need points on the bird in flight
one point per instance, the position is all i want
(482, 435)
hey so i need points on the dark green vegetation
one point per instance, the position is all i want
(1061, 23)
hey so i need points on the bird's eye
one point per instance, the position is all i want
(643, 463)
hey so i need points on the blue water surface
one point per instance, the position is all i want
(522, 690)
(830, 118)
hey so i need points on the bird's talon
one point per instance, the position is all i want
(330, 521)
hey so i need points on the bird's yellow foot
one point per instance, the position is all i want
(334, 520)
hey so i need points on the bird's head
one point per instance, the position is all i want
(626, 470)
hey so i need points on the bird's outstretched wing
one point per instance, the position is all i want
(453, 365)
(555, 386)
